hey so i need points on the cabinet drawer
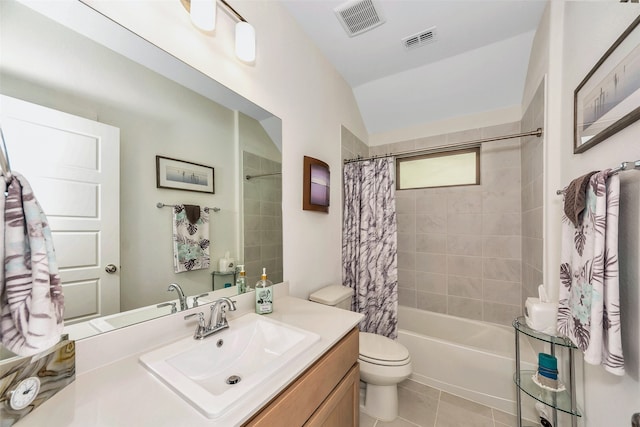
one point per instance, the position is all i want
(295, 405)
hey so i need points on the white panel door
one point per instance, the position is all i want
(72, 164)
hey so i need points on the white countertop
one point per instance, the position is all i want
(113, 389)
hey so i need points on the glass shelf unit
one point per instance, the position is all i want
(233, 273)
(564, 401)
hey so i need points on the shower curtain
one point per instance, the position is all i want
(369, 244)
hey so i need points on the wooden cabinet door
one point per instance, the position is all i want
(342, 406)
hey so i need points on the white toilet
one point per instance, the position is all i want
(383, 362)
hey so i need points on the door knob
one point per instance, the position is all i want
(110, 268)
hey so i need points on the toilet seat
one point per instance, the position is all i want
(380, 350)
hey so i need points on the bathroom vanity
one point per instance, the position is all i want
(320, 387)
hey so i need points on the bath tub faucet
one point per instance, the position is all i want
(181, 296)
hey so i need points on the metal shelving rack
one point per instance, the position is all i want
(564, 401)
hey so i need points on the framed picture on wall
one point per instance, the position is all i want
(182, 175)
(316, 185)
(608, 99)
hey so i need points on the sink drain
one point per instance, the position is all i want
(233, 379)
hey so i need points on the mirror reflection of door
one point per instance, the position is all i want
(72, 164)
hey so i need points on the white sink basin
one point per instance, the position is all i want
(254, 348)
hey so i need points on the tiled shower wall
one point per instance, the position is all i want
(262, 198)
(532, 200)
(459, 248)
(352, 147)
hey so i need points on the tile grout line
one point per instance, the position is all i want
(435, 422)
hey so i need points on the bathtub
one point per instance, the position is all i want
(468, 358)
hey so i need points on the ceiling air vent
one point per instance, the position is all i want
(420, 39)
(359, 16)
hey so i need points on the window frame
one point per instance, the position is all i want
(446, 153)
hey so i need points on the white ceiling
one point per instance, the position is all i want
(478, 62)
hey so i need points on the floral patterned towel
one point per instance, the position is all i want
(589, 303)
(190, 240)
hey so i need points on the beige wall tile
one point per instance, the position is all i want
(431, 202)
(464, 245)
(502, 247)
(407, 242)
(432, 302)
(464, 224)
(406, 278)
(464, 202)
(464, 266)
(467, 287)
(434, 283)
(431, 224)
(502, 269)
(405, 205)
(434, 243)
(501, 201)
(501, 224)
(407, 297)
(501, 292)
(406, 223)
(431, 263)
(464, 307)
(407, 260)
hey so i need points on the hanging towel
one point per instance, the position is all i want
(190, 240)
(31, 299)
(575, 198)
(589, 303)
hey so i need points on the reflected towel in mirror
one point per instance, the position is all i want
(190, 240)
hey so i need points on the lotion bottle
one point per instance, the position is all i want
(241, 283)
(264, 294)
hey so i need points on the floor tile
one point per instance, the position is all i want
(417, 408)
(504, 419)
(425, 390)
(467, 405)
(399, 422)
(366, 420)
(451, 415)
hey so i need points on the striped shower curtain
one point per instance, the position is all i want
(369, 244)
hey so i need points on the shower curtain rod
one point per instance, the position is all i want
(261, 175)
(624, 166)
(440, 148)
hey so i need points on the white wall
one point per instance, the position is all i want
(581, 33)
(292, 80)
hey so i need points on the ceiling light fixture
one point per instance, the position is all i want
(203, 16)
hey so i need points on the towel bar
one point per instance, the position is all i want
(161, 205)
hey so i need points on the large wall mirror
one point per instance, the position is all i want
(85, 65)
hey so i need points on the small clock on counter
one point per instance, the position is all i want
(27, 382)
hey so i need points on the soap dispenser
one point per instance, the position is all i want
(241, 283)
(264, 294)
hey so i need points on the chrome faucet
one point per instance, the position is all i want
(181, 296)
(217, 321)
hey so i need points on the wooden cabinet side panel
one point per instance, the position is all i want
(299, 401)
(342, 407)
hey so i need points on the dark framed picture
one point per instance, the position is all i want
(182, 175)
(316, 185)
(608, 99)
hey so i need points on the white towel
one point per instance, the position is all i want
(589, 303)
(190, 240)
(31, 302)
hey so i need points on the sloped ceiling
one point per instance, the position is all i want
(478, 62)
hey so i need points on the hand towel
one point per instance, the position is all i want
(575, 196)
(589, 300)
(190, 240)
(31, 301)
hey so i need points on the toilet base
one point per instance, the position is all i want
(381, 402)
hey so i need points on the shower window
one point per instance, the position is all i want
(443, 169)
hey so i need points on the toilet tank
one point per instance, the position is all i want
(335, 295)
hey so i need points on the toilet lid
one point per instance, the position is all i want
(376, 349)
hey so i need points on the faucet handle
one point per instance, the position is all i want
(166, 304)
(195, 299)
(200, 317)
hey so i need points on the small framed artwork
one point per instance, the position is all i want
(608, 99)
(315, 193)
(182, 175)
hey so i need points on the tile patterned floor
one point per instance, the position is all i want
(424, 406)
